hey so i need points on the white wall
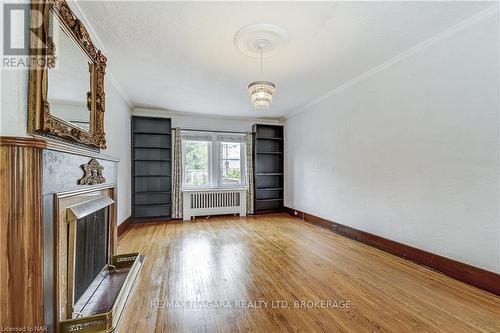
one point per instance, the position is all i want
(117, 127)
(411, 152)
(204, 122)
(14, 101)
(13, 88)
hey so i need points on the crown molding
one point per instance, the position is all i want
(169, 113)
(443, 35)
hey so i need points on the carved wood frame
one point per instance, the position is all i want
(40, 119)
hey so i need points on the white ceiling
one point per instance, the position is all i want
(180, 55)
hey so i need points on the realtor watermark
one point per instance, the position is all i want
(23, 329)
(252, 304)
(26, 42)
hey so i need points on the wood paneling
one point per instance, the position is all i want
(277, 258)
(21, 232)
(477, 277)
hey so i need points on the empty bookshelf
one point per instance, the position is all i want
(151, 169)
(268, 168)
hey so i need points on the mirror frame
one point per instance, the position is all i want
(42, 54)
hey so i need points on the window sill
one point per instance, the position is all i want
(214, 189)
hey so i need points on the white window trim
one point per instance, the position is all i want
(214, 163)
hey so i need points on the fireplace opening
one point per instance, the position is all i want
(94, 283)
(91, 249)
(88, 250)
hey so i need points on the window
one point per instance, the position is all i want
(213, 159)
(196, 163)
(230, 163)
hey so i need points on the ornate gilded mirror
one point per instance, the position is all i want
(66, 77)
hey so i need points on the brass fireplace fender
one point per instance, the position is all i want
(108, 321)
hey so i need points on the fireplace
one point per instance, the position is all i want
(92, 281)
(88, 249)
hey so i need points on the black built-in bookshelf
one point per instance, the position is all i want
(151, 169)
(268, 168)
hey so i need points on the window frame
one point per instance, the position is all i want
(214, 160)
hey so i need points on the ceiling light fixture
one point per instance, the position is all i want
(261, 92)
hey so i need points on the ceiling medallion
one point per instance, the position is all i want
(250, 39)
(261, 40)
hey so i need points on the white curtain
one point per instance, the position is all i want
(177, 175)
(249, 157)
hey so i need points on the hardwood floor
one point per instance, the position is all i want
(226, 261)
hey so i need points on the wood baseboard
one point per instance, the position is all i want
(129, 222)
(477, 277)
(124, 226)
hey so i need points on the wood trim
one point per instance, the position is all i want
(157, 222)
(16, 141)
(293, 212)
(268, 211)
(140, 220)
(21, 233)
(480, 278)
(124, 226)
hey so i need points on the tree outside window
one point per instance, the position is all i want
(231, 163)
(196, 163)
